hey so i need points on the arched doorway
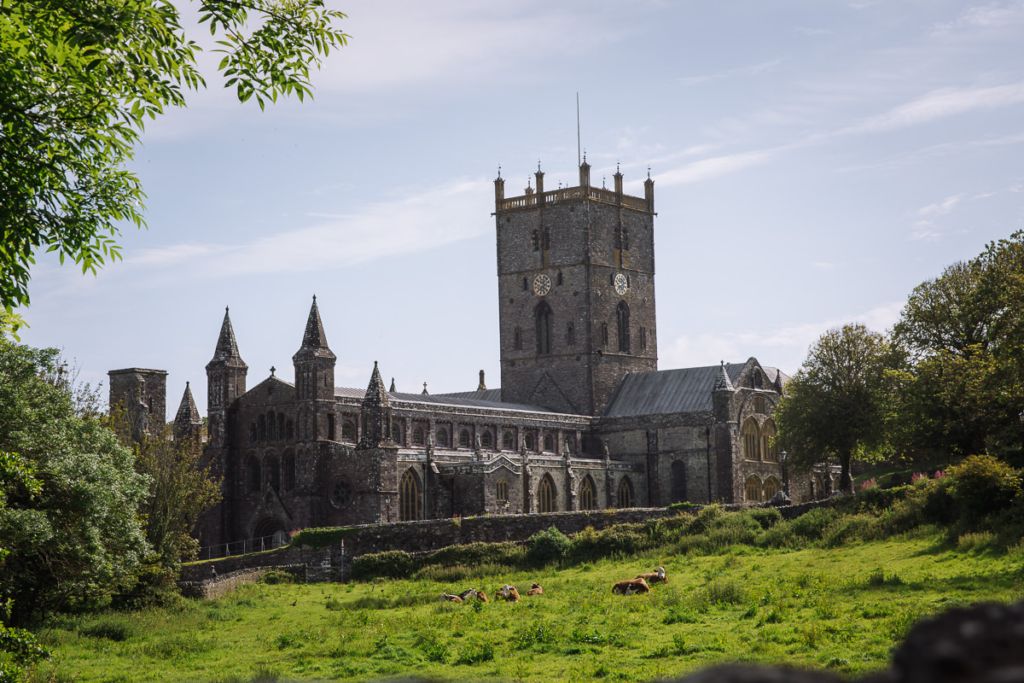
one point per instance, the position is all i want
(547, 495)
(410, 497)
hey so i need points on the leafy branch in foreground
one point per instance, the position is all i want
(79, 79)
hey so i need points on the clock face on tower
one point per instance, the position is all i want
(541, 285)
(621, 284)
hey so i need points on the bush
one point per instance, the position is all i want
(276, 576)
(458, 572)
(114, 627)
(470, 554)
(391, 564)
(766, 517)
(155, 586)
(878, 498)
(546, 547)
(320, 537)
(980, 486)
(621, 539)
(847, 528)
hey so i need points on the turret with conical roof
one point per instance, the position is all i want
(314, 361)
(376, 413)
(187, 423)
(722, 393)
(225, 381)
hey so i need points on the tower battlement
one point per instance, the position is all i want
(534, 198)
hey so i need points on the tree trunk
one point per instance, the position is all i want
(845, 480)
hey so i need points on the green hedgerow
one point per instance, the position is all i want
(547, 547)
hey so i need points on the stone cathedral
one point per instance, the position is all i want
(583, 419)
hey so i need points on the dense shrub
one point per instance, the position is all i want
(798, 532)
(391, 564)
(621, 539)
(980, 486)
(320, 537)
(766, 517)
(878, 498)
(546, 547)
(477, 553)
(848, 528)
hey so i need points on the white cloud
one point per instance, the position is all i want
(748, 70)
(993, 16)
(940, 208)
(939, 104)
(713, 167)
(784, 347)
(421, 221)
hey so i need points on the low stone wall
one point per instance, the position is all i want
(219, 585)
(332, 563)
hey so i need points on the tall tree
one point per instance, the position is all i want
(75, 538)
(78, 79)
(833, 407)
(964, 333)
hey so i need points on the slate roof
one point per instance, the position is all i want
(686, 390)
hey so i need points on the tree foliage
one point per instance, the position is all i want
(964, 333)
(74, 537)
(79, 78)
(833, 408)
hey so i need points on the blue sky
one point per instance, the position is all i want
(814, 160)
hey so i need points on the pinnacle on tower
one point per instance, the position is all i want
(722, 381)
(482, 386)
(392, 390)
(376, 412)
(187, 421)
(315, 337)
(227, 345)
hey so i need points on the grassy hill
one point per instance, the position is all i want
(841, 608)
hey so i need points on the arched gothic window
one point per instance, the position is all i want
(255, 478)
(752, 489)
(771, 487)
(530, 441)
(501, 491)
(261, 428)
(624, 496)
(273, 470)
(769, 450)
(288, 471)
(622, 319)
(508, 440)
(751, 440)
(464, 438)
(547, 500)
(396, 432)
(549, 443)
(588, 494)
(271, 426)
(410, 497)
(542, 317)
(487, 439)
(441, 437)
(678, 481)
(348, 430)
(418, 437)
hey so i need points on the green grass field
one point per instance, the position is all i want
(842, 609)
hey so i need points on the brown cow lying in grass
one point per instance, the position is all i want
(448, 597)
(468, 595)
(508, 593)
(657, 576)
(535, 589)
(630, 587)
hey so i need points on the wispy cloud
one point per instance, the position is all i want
(714, 167)
(433, 218)
(939, 104)
(747, 70)
(784, 346)
(940, 208)
(992, 16)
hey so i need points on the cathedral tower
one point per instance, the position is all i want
(314, 381)
(575, 291)
(225, 381)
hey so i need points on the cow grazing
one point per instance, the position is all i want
(631, 586)
(535, 589)
(448, 597)
(657, 576)
(508, 593)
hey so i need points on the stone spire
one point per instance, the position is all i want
(376, 413)
(227, 345)
(722, 381)
(392, 390)
(482, 386)
(315, 338)
(187, 422)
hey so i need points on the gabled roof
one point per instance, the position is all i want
(685, 390)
